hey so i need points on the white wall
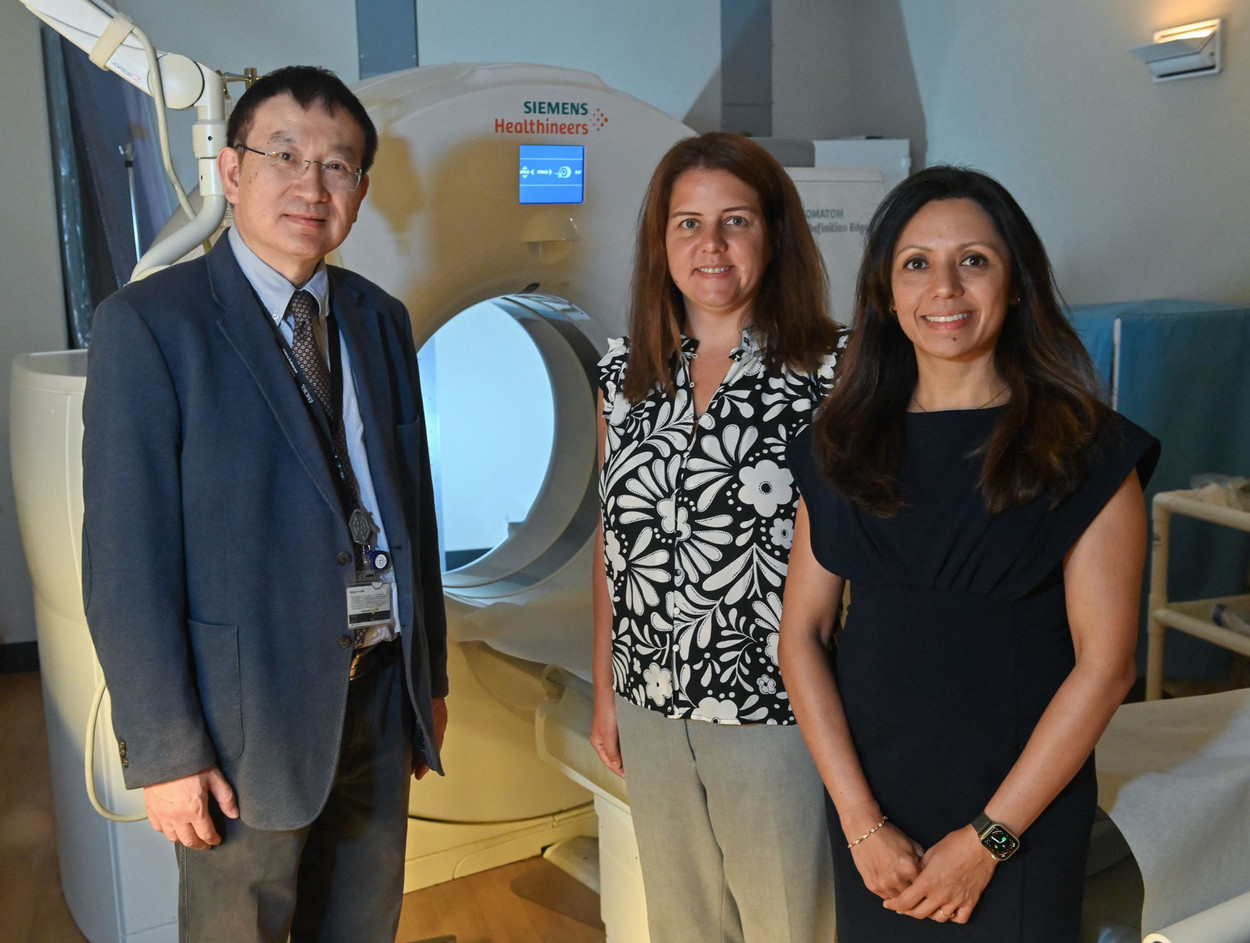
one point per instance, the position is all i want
(1139, 190)
(666, 53)
(231, 34)
(32, 309)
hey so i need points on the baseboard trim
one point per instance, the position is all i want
(19, 656)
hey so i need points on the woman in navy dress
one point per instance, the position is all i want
(987, 511)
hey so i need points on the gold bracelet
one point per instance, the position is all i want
(852, 844)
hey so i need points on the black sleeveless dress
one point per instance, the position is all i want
(955, 641)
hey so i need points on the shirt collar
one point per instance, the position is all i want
(748, 347)
(271, 286)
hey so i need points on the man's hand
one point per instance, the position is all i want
(178, 808)
(419, 766)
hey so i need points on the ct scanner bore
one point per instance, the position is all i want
(563, 513)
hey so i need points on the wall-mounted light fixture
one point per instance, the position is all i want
(1183, 52)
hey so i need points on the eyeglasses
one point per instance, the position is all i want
(338, 175)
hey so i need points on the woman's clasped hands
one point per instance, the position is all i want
(943, 883)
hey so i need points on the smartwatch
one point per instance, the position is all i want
(998, 839)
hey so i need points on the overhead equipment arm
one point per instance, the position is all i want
(116, 45)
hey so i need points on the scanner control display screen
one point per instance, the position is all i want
(552, 173)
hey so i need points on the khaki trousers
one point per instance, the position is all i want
(730, 822)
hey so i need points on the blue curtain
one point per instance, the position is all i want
(1180, 370)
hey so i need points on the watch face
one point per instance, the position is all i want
(1001, 843)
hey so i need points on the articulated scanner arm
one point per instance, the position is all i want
(108, 38)
(115, 44)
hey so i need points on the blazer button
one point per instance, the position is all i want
(345, 641)
(344, 558)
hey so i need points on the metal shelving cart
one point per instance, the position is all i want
(1194, 616)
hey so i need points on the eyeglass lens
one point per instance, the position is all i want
(335, 174)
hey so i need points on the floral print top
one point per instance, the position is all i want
(698, 519)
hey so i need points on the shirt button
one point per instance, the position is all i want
(345, 641)
(344, 558)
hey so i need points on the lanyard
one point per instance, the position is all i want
(327, 416)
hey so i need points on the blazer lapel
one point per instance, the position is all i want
(243, 323)
(362, 332)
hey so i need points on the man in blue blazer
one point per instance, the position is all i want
(260, 554)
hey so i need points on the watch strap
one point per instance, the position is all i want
(998, 839)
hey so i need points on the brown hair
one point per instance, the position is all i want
(790, 314)
(1038, 445)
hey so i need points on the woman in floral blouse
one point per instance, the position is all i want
(730, 349)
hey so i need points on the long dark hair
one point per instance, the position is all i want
(1038, 445)
(791, 309)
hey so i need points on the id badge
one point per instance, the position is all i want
(368, 605)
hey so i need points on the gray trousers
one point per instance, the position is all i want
(730, 822)
(338, 880)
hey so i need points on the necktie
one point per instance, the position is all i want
(301, 309)
(360, 524)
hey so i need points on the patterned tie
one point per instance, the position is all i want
(364, 531)
(301, 309)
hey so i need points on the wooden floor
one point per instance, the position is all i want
(484, 908)
(32, 909)
(481, 908)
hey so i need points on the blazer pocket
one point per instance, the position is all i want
(409, 431)
(215, 650)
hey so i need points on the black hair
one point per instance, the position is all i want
(1054, 412)
(307, 84)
